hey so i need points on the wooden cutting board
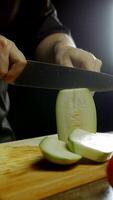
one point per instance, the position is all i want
(30, 177)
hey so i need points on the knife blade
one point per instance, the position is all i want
(52, 76)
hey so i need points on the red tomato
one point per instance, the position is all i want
(110, 171)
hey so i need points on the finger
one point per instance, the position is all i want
(63, 59)
(87, 60)
(4, 64)
(95, 63)
(4, 57)
(14, 73)
(3, 41)
(98, 65)
(79, 58)
(66, 62)
(15, 54)
(17, 64)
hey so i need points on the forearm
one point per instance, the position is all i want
(46, 49)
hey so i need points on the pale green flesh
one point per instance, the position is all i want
(55, 151)
(97, 147)
(75, 108)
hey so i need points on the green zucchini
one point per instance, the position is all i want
(56, 151)
(75, 108)
(97, 147)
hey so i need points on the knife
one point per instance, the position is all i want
(52, 76)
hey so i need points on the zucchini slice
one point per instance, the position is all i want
(97, 147)
(56, 151)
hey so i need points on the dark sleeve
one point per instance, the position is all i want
(50, 23)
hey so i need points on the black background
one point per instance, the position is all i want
(91, 25)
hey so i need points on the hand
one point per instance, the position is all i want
(12, 61)
(75, 57)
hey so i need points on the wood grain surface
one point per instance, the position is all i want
(38, 179)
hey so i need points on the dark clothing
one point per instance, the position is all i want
(33, 21)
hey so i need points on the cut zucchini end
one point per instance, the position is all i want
(75, 108)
